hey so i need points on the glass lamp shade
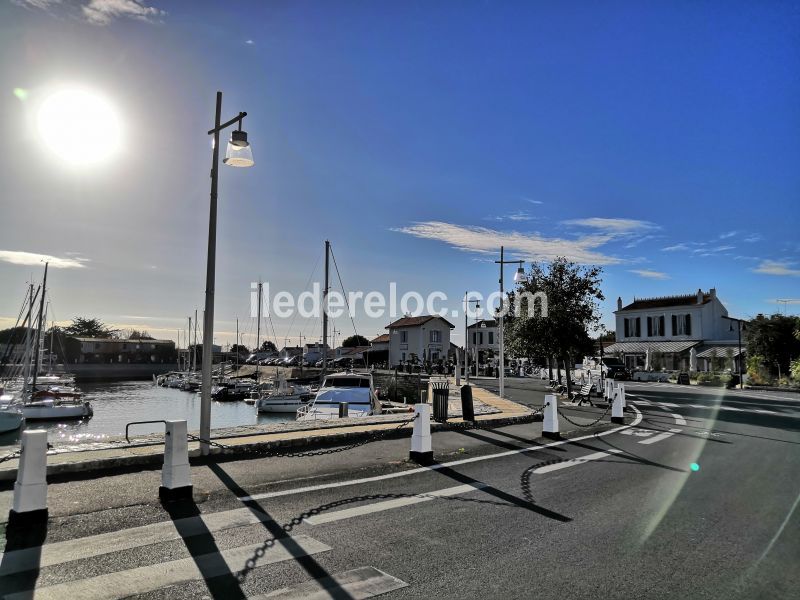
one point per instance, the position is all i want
(239, 153)
(520, 276)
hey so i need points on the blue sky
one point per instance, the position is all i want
(660, 140)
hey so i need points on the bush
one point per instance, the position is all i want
(720, 379)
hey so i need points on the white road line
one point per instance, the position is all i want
(125, 539)
(434, 467)
(643, 402)
(368, 509)
(359, 584)
(141, 580)
(576, 461)
(679, 420)
(765, 411)
(660, 436)
(668, 404)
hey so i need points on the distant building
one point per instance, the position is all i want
(426, 337)
(113, 350)
(314, 352)
(484, 341)
(679, 333)
(289, 351)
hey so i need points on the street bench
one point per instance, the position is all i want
(584, 394)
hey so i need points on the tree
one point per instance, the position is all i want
(355, 341)
(135, 334)
(773, 338)
(239, 349)
(573, 294)
(86, 327)
(268, 346)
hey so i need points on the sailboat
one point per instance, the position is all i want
(11, 417)
(283, 397)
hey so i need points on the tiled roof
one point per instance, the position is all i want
(381, 339)
(666, 301)
(417, 321)
(643, 347)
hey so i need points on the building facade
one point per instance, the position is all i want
(424, 338)
(484, 343)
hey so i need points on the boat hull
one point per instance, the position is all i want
(56, 412)
(11, 420)
(286, 404)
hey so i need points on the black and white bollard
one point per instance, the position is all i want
(550, 417)
(616, 406)
(421, 451)
(30, 489)
(176, 478)
(621, 387)
(343, 410)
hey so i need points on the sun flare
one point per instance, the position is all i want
(80, 127)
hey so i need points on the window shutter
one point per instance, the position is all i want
(662, 329)
(688, 324)
(674, 324)
(649, 326)
(638, 327)
(627, 328)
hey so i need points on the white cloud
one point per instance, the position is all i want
(756, 237)
(675, 248)
(650, 274)
(249, 42)
(16, 257)
(729, 234)
(520, 215)
(777, 267)
(528, 246)
(40, 4)
(532, 201)
(102, 12)
(612, 225)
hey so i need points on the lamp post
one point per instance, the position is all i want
(238, 154)
(739, 331)
(519, 277)
(477, 304)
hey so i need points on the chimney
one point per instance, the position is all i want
(619, 302)
(699, 296)
(713, 293)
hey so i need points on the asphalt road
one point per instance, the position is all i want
(696, 497)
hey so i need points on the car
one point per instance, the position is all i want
(613, 368)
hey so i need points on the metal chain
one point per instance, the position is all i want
(371, 437)
(477, 424)
(595, 422)
(10, 456)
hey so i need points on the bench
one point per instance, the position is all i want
(584, 394)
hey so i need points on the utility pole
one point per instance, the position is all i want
(739, 358)
(519, 277)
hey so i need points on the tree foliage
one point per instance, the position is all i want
(774, 339)
(268, 346)
(239, 349)
(86, 327)
(355, 341)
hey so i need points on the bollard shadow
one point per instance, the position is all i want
(526, 441)
(500, 494)
(627, 454)
(278, 533)
(199, 541)
(22, 556)
(472, 433)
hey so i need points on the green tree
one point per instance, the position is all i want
(268, 346)
(354, 341)
(774, 339)
(86, 327)
(239, 349)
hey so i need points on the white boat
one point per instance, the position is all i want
(56, 409)
(283, 397)
(11, 417)
(356, 389)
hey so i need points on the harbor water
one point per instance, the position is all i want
(120, 402)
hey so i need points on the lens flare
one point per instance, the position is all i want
(694, 467)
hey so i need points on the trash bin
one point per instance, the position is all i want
(441, 395)
(467, 410)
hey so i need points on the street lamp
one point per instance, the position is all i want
(238, 154)
(519, 277)
(739, 330)
(477, 304)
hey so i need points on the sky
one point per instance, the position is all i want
(658, 140)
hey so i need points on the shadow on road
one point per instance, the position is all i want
(22, 556)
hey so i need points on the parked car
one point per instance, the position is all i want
(613, 368)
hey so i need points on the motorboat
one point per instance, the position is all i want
(353, 388)
(56, 409)
(11, 417)
(283, 397)
(231, 390)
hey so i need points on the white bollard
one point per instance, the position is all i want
(621, 388)
(421, 451)
(607, 387)
(30, 489)
(616, 407)
(176, 477)
(550, 419)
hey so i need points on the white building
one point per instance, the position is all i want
(426, 338)
(675, 332)
(484, 342)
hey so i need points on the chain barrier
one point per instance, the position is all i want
(10, 456)
(280, 452)
(595, 422)
(477, 425)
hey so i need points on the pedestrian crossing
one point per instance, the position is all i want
(667, 406)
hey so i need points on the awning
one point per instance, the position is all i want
(643, 347)
(718, 351)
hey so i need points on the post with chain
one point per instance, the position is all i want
(621, 387)
(30, 490)
(421, 450)
(616, 407)
(176, 478)
(550, 419)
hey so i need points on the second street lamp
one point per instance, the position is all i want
(238, 154)
(519, 277)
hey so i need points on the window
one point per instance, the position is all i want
(682, 324)
(403, 337)
(436, 336)
(403, 357)
(633, 327)
(655, 326)
(480, 338)
(474, 338)
(491, 338)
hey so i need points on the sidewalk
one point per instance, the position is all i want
(490, 409)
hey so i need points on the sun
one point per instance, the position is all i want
(80, 127)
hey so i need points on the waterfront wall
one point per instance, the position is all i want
(118, 371)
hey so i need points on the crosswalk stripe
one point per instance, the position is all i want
(358, 584)
(375, 507)
(576, 461)
(679, 420)
(141, 580)
(125, 539)
(660, 436)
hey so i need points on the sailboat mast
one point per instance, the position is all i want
(39, 330)
(325, 312)
(258, 327)
(237, 344)
(194, 358)
(188, 344)
(28, 322)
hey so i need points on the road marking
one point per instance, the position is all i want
(638, 432)
(336, 484)
(125, 539)
(765, 411)
(359, 584)
(660, 436)
(668, 404)
(368, 509)
(141, 580)
(576, 461)
(644, 402)
(679, 420)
